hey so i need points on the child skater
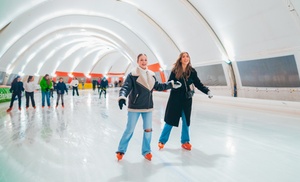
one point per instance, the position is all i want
(61, 88)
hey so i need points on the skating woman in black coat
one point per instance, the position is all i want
(179, 104)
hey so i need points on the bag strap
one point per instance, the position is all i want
(186, 86)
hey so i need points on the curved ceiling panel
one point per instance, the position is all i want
(250, 28)
(106, 63)
(184, 27)
(10, 9)
(133, 29)
(36, 35)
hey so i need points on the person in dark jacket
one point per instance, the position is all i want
(99, 84)
(61, 88)
(94, 82)
(179, 104)
(139, 86)
(16, 89)
(103, 87)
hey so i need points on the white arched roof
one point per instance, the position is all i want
(102, 36)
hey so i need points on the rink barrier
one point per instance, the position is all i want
(284, 107)
(5, 95)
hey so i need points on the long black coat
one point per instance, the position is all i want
(178, 102)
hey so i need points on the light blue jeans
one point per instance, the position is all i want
(185, 136)
(47, 95)
(131, 123)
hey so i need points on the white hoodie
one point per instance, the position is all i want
(29, 87)
(74, 83)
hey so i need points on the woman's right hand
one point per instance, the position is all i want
(121, 103)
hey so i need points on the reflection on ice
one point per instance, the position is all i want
(78, 143)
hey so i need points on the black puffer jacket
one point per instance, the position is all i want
(17, 87)
(139, 90)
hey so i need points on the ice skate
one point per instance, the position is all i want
(120, 155)
(187, 146)
(160, 145)
(148, 156)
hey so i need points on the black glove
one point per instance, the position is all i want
(47, 89)
(121, 103)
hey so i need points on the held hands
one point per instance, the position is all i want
(121, 103)
(210, 95)
(177, 85)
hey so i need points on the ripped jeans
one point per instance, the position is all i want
(131, 123)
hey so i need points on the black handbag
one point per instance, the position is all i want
(189, 93)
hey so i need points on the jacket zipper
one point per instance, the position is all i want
(149, 101)
(135, 98)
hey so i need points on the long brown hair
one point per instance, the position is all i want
(29, 78)
(48, 80)
(178, 70)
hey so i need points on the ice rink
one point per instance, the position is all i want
(230, 142)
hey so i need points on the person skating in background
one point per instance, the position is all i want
(30, 87)
(94, 82)
(99, 84)
(74, 83)
(61, 87)
(16, 89)
(103, 87)
(46, 85)
(53, 87)
(139, 86)
(180, 102)
(82, 84)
